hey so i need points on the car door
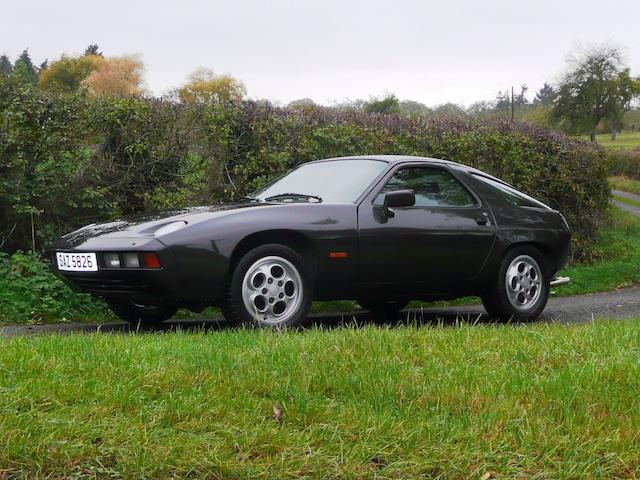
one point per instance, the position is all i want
(442, 240)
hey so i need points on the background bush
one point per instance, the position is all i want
(29, 291)
(68, 160)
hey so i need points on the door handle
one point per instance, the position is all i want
(482, 219)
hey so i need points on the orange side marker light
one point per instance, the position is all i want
(338, 255)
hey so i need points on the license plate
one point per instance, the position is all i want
(77, 262)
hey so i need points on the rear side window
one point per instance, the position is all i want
(510, 194)
(434, 187)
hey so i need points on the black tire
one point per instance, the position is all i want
(234, 308)
(383, 307)
(497, 302)
(138, 314)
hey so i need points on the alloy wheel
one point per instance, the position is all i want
(523, 283)
(272, 290)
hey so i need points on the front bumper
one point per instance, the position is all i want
(125, 283)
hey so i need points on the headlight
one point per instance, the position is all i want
(112, 260)
(149, 260)
(131, 260)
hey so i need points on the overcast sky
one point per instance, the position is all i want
(332, 50)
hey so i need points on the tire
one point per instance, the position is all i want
(138, 314)
(271, 286)
(521, 290)
(383, 307)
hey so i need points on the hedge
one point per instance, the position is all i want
(70, 160)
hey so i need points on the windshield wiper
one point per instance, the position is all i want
(293, 197)
(249, 198)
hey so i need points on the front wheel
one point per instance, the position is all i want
(522, 287)
(270, 286)
(139, 314)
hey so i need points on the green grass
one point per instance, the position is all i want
(531, 401)
(626, 200)
(619, 266)
(625, 141)
(625, 184)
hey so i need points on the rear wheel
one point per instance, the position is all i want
(383, 307)
(141, 314)
(522, 287)
(270, 286)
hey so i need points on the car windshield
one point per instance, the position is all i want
(337, 181)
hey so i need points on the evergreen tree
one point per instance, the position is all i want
(93, 49)
(545, 96)
(24, 70)
(5, 65)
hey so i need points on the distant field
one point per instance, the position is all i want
(530, 401)
(625, 141)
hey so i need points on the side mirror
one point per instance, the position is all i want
(400, 198)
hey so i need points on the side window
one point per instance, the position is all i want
(513, 196)
(434, 187)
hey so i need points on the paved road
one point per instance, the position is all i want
(619, 304)
(625, 206)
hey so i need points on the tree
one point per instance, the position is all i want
(24, 70)
(5, 65)
(302, 103)
(413, 108)
(502, 103)
(117, 77)
(482, 108)
(93, 49)
(68, 73)
(545, 96)
(204, 86)
(386, 104)
(449, 110)
(597, 87)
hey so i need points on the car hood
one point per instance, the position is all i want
(149, 224)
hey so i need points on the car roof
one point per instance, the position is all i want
(391, 159)
(413, 158)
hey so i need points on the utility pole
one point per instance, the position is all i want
(513, 105)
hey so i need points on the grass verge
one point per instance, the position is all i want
(625, 184)
(626, 200)
(619, 265)
(532, 401)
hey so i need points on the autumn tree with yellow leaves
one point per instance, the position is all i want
(204, 86)
(117, 77)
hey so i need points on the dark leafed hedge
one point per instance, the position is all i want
(69, 160)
